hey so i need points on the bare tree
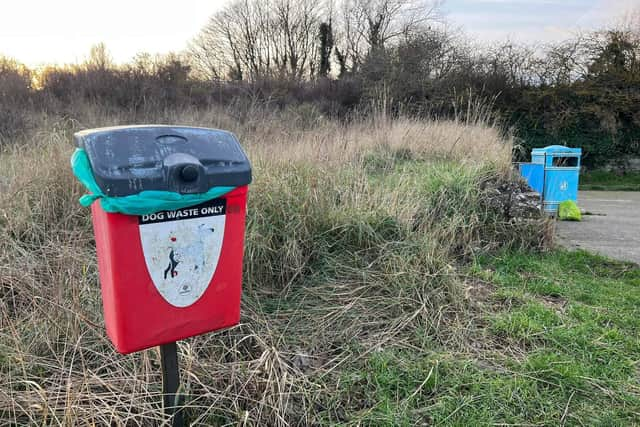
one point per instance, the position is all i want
(252, 39)
(99, 57)
(368, 26)
(562, 63)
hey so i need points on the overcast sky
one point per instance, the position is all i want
(533, 20)
(62, 31)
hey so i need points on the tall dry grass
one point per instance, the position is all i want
(354, 237)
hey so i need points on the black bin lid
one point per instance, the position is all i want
(129, 159)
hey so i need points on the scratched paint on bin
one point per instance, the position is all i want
(182, 248)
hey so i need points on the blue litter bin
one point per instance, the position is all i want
(553, 172)
(533, 173)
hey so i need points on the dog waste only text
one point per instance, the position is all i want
(214, 207)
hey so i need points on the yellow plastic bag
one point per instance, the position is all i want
(569, 211)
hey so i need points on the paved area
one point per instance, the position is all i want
(612, 229)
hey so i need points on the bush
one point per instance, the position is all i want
(15, 99)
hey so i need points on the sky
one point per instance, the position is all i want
(36, 32)
(63, 31)
(533, 20)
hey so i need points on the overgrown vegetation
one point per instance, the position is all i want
(356, 236)
(369, 295)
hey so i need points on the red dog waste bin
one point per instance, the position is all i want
(169, 274)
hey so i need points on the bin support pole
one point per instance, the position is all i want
(171, 383)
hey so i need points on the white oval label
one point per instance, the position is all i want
(181, 249)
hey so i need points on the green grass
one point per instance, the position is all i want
(609, 181)
(356, 236)
(364, 300)
(557, 343)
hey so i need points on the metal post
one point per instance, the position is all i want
(171, 383)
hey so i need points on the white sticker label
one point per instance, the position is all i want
(182, 248)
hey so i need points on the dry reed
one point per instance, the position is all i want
(354, 233)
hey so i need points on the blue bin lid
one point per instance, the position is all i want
(557, 149)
